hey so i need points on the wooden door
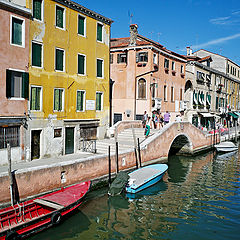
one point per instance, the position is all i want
(69, 140)
(35, 144)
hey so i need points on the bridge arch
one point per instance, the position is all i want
(181, 144)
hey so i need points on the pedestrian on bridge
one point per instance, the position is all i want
(147, 128)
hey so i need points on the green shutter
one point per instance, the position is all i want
(37, 9)
(59, 17)
(60, 99)
(81, 25)
(81, 64)
(33, 99)
(8, 83)
(99, 32)
(59, 59)
(56, 99)
(97, 101)
(80, 100)
(17, 31)
(25, 85)
(36, 54)
(99, 68)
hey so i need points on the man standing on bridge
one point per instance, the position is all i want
(166, 118)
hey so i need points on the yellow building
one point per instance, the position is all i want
(69, 77)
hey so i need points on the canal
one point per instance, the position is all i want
(198, 198)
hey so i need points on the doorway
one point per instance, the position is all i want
(35, 144)
(69, 140)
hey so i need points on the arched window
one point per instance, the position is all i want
(142, 88)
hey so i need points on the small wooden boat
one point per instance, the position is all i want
(145, 177)
(23, 219)
(226, 147)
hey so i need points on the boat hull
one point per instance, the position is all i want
(145, 177)
(27, 226)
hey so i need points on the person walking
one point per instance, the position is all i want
(161, 120)
(147, 128)
(166, 118)
(144, 119)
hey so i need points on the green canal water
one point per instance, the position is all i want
(198, 198)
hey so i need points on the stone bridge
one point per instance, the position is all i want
(45, 175)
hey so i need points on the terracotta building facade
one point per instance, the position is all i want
(146, 76)
(14, 79)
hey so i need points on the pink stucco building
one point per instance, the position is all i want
(146, 77)
(14, 80)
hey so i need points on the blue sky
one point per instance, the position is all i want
(213, 25)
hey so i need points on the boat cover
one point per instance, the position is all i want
(118, 184)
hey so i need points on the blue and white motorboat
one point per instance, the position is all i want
(145, 177)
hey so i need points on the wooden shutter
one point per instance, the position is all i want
(81, 25)
(99, 32)
(17, 31)
(56, 99)
(80, 100)
(25, 85)
(8, 83)
(81, 64)
(36, 54)
(59, 59)
(99, 68)
(97, 101)
(59, 17)
(37, 11)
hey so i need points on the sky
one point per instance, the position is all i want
(213, 25)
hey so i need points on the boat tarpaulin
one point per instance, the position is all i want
(118, 184)
(206, 115)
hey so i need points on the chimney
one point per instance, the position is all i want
(133, 34)
(189, 51)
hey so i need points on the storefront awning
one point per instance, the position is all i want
(236, 113)
(233, 115)
(206, 115)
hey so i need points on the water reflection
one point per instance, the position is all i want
(198, 198)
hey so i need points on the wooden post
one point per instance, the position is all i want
(135, 150)
(228, 130)
(139, 153)
(135, 147)
(109, 166)
(10, 172)
(117, 167)
(235, 130)
(214, 129)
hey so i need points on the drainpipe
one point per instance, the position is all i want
(111, 82)
(135, 94)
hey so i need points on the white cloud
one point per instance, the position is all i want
(220, 20)
(216, 41)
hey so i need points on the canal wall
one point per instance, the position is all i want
(40, 179)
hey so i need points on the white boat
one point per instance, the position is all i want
(226, 147)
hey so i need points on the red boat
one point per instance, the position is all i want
(23, 219)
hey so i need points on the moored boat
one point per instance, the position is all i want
(23, 219)
(226, 147)
(145, 177)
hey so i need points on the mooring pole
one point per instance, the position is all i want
(10, 172)
(139, 153)
(135, 150)
(109, 166)
(235, 130)
(117, 167)
(228, 130)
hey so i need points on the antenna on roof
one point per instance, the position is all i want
(130, 15)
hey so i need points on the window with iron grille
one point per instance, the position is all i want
(9, 135)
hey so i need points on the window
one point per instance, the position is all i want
(57, 132)
(142, 88)
(99, 32)
(182, 69)
(200, 76)
(99, 101)
(155, 58)
(172, 94)
(165, 93)
(9, 135)
(173, 66)
(18, 31)
(142, 57)
(99, 68)
(166, 63)
(81, 25)
(111, 58)
(181, 94)
(38, 9)
(59, 60)
(81, 101)
(60, 17)
(35, 99)
(58, 100)
(122, 58)
(36, 54)
(17, 84)
(81, 64)
(208, 63)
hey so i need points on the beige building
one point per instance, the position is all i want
(146, 77)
